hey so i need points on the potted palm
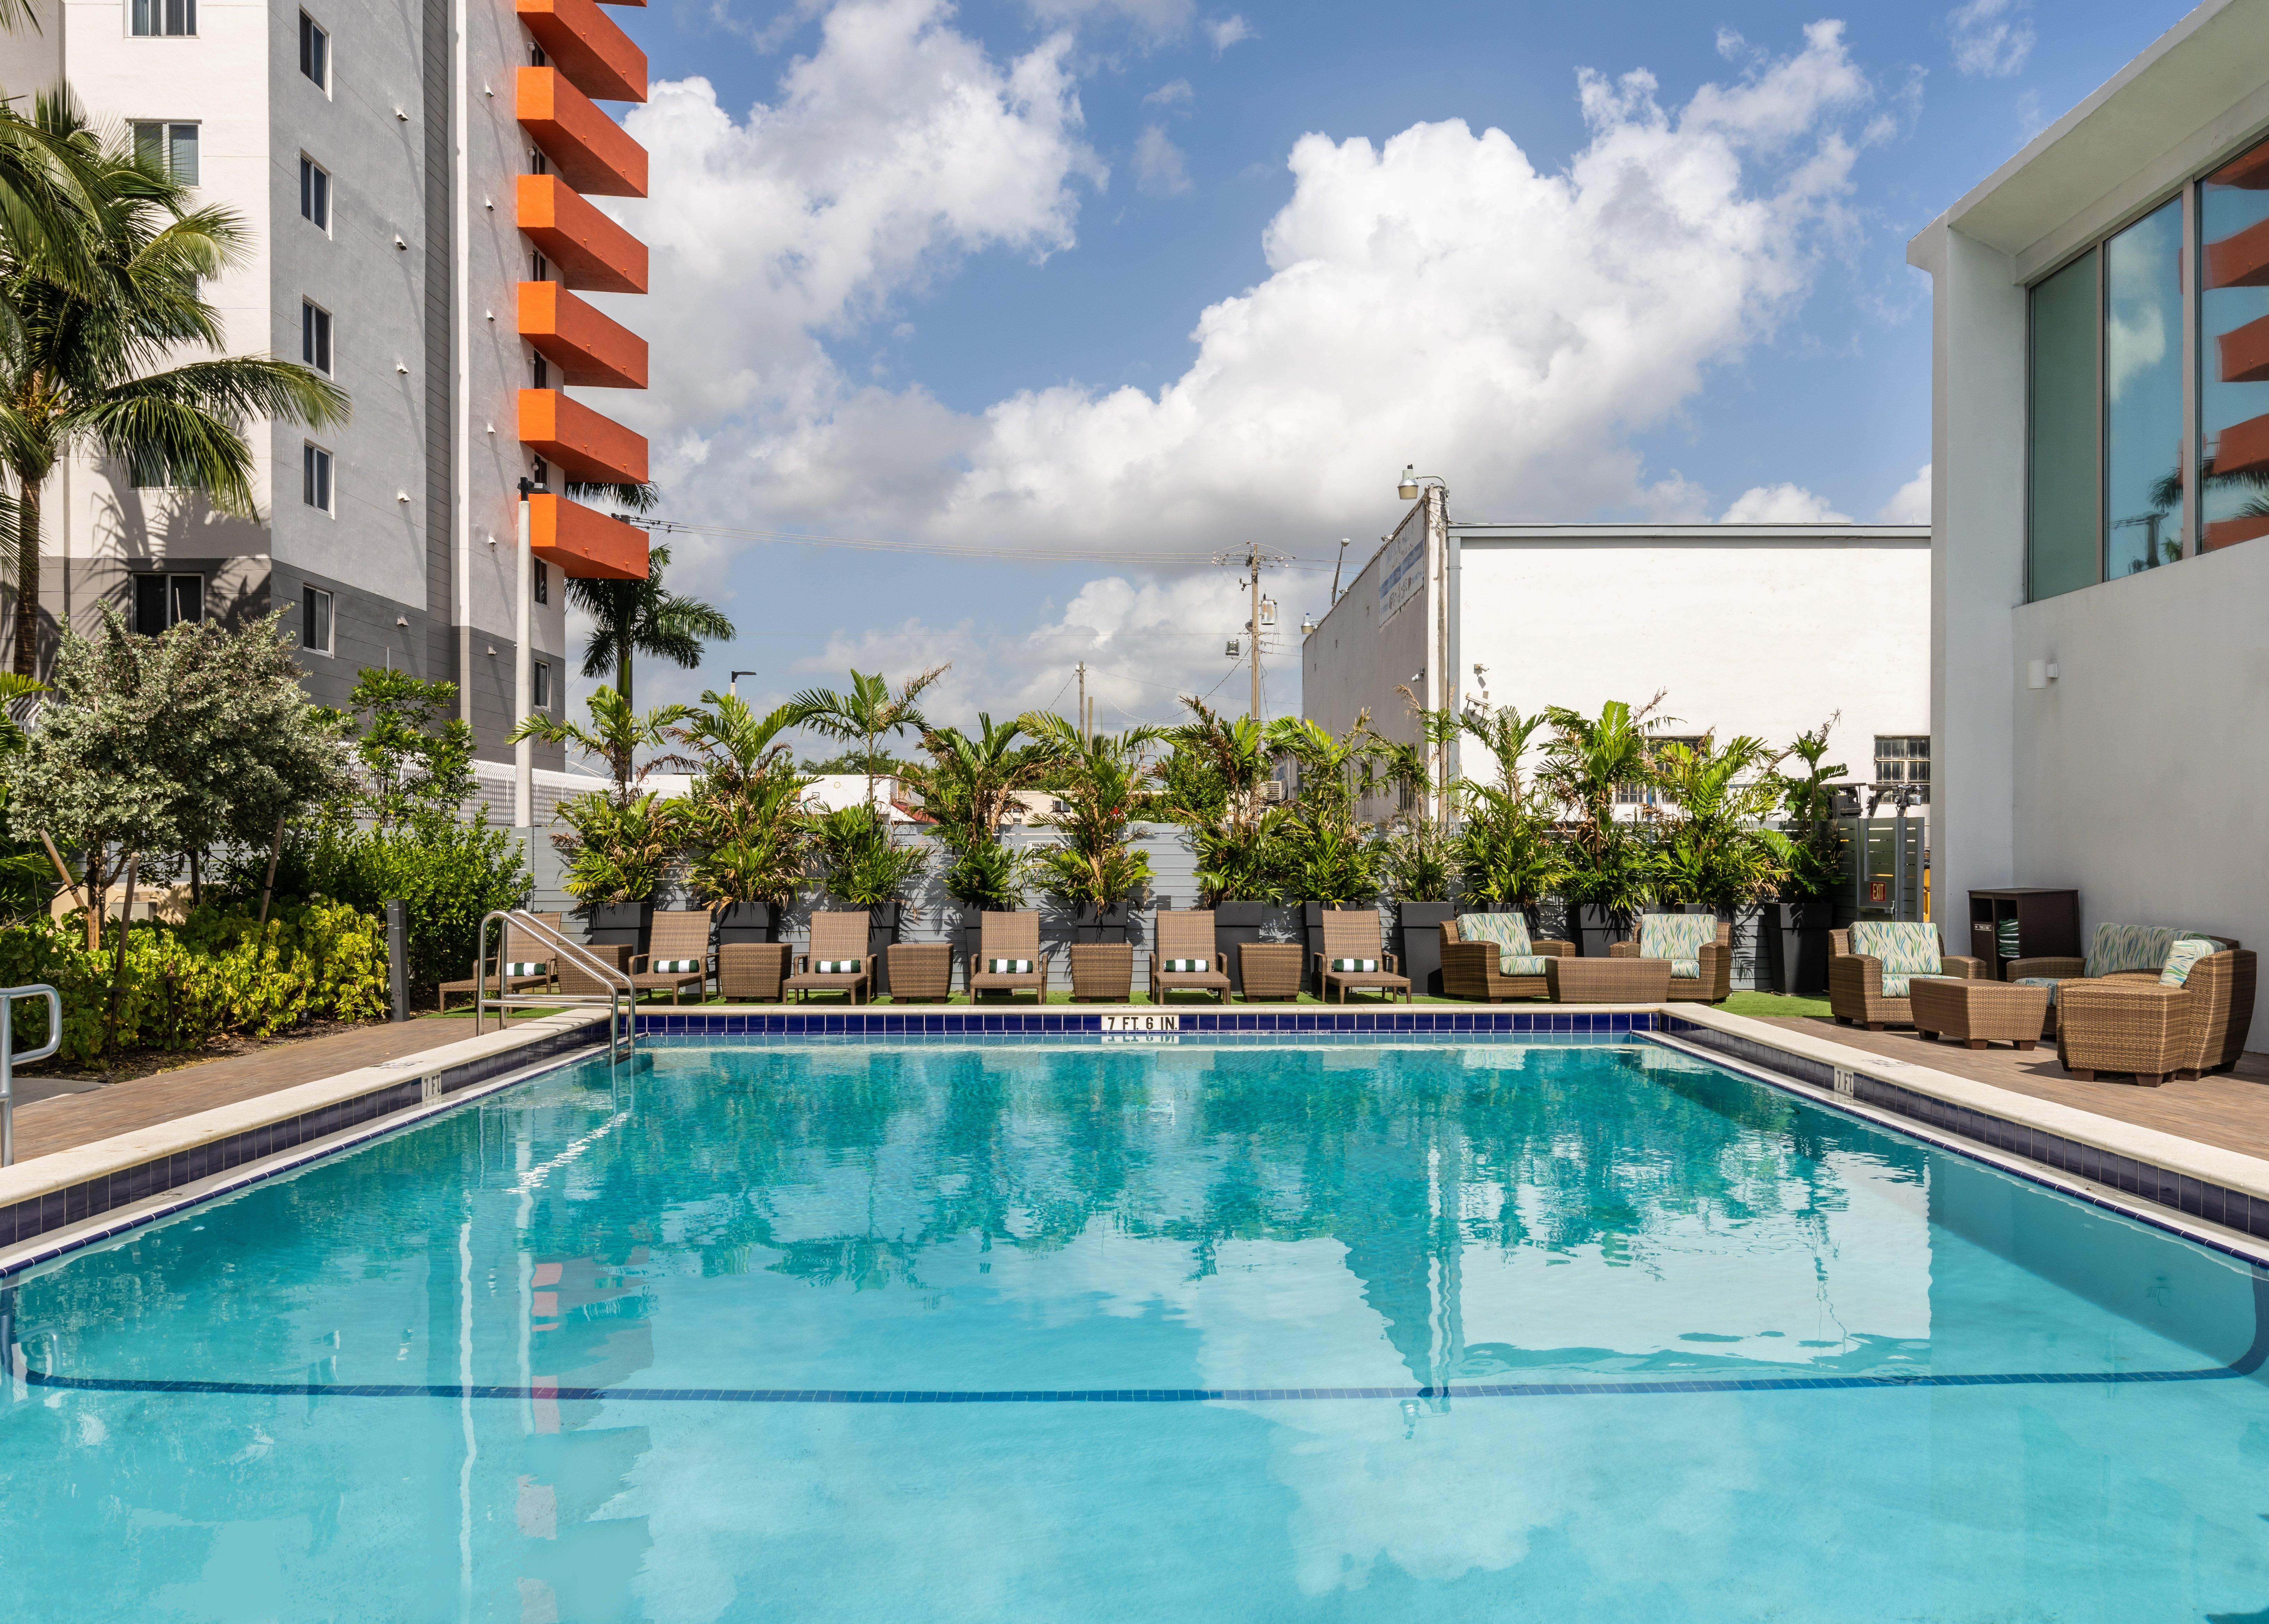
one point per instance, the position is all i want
(863, 867)
(1328, 865)
(1797, 923)
(1215, 783)
(970, 785)
(746, 842)
(1610, 869)
(1715, 854)
(1093, 869)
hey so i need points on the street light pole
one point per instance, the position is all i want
(523, 669)
(732, 682)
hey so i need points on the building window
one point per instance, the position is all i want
(169, 149)
(543, 685)
(538, 164)
(315, 52)
(156, 17)
(2062, 542)
(315, 476)
(163, 601)
(535, 56)
(2143, 394)
(149, 470)
(2233, 363)
(1646, 794)
(539, 268)
(314, 335)
(542, 582)
(539, 372)
(315, 194)
(315, 620)
(1902, 758)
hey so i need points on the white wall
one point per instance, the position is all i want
(1353, 662)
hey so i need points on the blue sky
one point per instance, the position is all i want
(922, 273)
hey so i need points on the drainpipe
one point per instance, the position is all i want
(461, 396)
(523, 674)
(1453, 656)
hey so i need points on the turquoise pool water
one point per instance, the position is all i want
(1061, 1331)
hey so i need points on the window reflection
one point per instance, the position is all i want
(2143, 394)
(2234, 351)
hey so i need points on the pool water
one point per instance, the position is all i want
(1563, 1331)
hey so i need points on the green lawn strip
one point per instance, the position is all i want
(1773, 1005)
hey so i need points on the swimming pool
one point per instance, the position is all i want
(1052, 1330)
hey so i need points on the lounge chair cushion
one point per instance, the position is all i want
(1905, 948)
(1678, 937)
(1187, 966)
(2005, 935)
(1522, 964)
(1509, 931)
(836, 966)
(525, 967)
(677, 966)
(1008, 967)
(2118, 948)
(2049, 982)
(2185, 954)
(1355, 966)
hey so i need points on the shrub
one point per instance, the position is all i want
(449, 873)
(862, 867)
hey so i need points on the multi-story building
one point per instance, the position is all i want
(416, 183)
(2100, 439)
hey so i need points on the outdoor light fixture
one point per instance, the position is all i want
(2040, 672)
(1408, 489)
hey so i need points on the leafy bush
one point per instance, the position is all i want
(1413, 858)
(220, 973)
(862, 866)
(616, 851)
(985, 874)
(449, 873)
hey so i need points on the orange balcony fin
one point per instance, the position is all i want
(583, 543)
(591, 152)
(590, 250)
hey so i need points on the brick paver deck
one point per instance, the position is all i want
(2230, 1110)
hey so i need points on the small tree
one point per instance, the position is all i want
(1214, 782)
(1326, 857)
(1815, 866)
(858, 861)
(970, 786)
(415, 754)
(632, 617)
(1100, 780)
(867, 713)
(1716, 850)
(1589, 760)
(619, 840)
(746, 838)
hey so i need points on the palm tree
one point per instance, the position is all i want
(632, 617)
(81, 355)
(869, 713)
(973, 777)
(747, 842)
(616, 735)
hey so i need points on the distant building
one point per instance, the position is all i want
(1763, 629)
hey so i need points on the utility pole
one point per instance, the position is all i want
(1081, 713)
(1253, 558)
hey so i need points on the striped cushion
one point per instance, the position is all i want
(677, 966)
(836, 966)
(2184, 956)
(1509, 931)
(526, 967)
(1905, 947)
(2005, 935)
(1009, 966)
(1354, 966)
(1678, 937)
(1187, 966)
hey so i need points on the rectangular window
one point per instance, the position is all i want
(315, 193)
(1902, 758)
(539, 373)
(538, 164)
(1647, 795)
(539, 268)
(150, 470)
(314, 335)
(315, 52)
(2143, 394)
(315, 470)
(163, 601)
(542, 686)
(156, 17)
(171, 150)
(315, 620)
(2234, 352)
(2062, 550)
(542, 582)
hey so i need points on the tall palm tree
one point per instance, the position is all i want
(869, 713)
(630, 617)
(83, 357)
(616, 735)
(973, 779)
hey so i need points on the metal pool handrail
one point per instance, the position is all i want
(7, 997)
(618, 985)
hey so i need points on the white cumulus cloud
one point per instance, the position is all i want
(1782, 504)
(1158, 165)
(1990, 37)
(1227, 31)
(1909, 504)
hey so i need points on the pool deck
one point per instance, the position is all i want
(2230, 1110)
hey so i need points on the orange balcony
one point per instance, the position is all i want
(2243, 352)
(2222, 533)
(591, 152)
(590, 350)
(584, 43)
(2242, 449)
(591, 251)
(583, 443)
(2240, 260)
(587, 545)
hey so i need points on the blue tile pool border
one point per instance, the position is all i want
(837, 1022)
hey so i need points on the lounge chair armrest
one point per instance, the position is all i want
(1868, 971)
(1546, 948)
(2062, 968)
(1711, 953)
(1394, 964)
(638, 963)
(1962, 967)
(1622, 949)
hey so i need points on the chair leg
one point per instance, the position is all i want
(2150, 1080)
(2081, 1072)
(1874, 1026)
(1973, 1043)
(2027, 1043)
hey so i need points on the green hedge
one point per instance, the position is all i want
(450, 874)
(219, 973)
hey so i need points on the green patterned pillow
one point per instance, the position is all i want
(2182, 957)
(1905, 948)
(1676, 936)
(1009, 966)
(527, 967)
(1509, 931)
(677, 966)
(2115, 948)
(1686, 969)
(1187, 966)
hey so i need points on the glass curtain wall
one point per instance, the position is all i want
(2234, 352)
(2143, 394)
(2063, 545)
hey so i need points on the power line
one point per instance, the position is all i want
(1044, 554)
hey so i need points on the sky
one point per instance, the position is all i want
(1055, 300)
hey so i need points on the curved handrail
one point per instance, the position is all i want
(7, 997)
(619, 985)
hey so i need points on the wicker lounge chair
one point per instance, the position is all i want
(1010, 939)
(1669, 935)
(1270, 971)
(836, 939)
(1865, 990)
(680, 937)
(752, 972)
(1501, 964)
(2131, 951)
(1186, 937)
(573, 978)
(2219, 985)
(522, 946)
(1353, 935)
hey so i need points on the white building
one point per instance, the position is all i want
(412, 180)
(2100, 663)
(1765, 629)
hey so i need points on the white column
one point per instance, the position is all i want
(523, 680)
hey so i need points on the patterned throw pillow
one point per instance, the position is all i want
(836, 966)
(526, 967)
(677, 966)
(2182, 957)
(1009, 966)
(1905, 948)
(1685, 968)
(1354, 966)
(2114, 949)
(1187, 966)
(1509, 931)
(1678, 937)
(1523, 964)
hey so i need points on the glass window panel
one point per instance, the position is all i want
(2063, 534)
(2234, 352)
(142, 22)
(182, 159)
(2143, 394)
(149, 146)
(150, 604)
(189, 597)
(315, 616)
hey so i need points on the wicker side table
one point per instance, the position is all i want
(751, 971)
(1271, 969)
(1608, 980)
(1104, 970)
(2106, 1024)
(921, 973)
(1976, 1013)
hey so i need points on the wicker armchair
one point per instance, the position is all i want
(1855, 985)
(837, 938)
(2220, 984)
(2062, 970)
(1472, 969)
(1714, 985)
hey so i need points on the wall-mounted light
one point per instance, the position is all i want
(401, 115)
(398, 242)
(401, 621)
(2040, 672)
(401, 496)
